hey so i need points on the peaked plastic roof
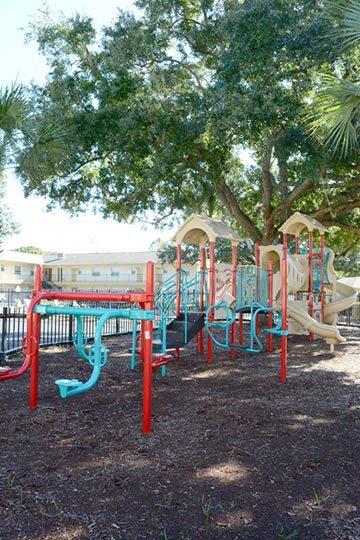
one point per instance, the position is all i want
(297, 222)
(199, 229)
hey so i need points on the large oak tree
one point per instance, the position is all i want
(163, 112)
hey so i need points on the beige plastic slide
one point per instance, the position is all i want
(297, 312)
(329, 332)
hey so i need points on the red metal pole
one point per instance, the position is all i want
(257, 254)
(322, 259)
(202, 285)
(33, 340)
(146, 345)
(297, 245)
(211, 296)
(257, 263)
(241, 324)
(270, 315)
(283, 363)
(233, 292)
(311, 293)
(38, 279)
(297, 251)
(33, 350)
(178, 288)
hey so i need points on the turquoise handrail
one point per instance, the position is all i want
(97, 355)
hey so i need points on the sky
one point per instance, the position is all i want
(56, 231)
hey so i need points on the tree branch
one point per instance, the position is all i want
(228, 199)
(343, 226)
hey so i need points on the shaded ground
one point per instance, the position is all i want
(233, 454)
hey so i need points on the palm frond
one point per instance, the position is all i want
(333, 115)
(346, 16)
(13, 108)
(46, 146)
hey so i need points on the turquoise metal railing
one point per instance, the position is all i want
(190, 297)
(251, 286)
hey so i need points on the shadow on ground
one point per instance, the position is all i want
(233, 454)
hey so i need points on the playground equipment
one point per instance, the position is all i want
(301, 287)
(185, 306)
(316, 295)
(181, 303)
(293, 291)
(96, 355)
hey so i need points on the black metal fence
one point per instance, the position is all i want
(59, 329)
(55, 329)
(351, 316)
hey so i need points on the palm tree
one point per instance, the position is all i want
(13, 114)
(27, 145)
(335, 110)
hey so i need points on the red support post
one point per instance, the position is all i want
(257, 254)
(257, 264)
(297, 251)
(202, 287)
(241, 324)
(322, 259)
(211, 295)
(283, 363)
(297, 245)
(233, 292)
(270, 314)
(33, 351)
(178, 288)
(311, 284)
(33, 341)
(146, 345)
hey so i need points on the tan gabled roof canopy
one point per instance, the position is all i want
(297, 222)
(200, 229)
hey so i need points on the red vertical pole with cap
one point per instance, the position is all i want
(311, 284)
(146, 346)
(33, 339)
(233, 292)
(211, 296)
(270, 314)
(202, 286)
(178, 288)
(322, 259)
(297, 251)
(241, 320)
(283, 362)
(258, 277)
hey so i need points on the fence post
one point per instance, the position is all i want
(4, 332)
(71, 329)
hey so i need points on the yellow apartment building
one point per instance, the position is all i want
(104, 271)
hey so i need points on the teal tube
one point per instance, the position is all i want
(136, 313)
(253, 335)
(79, 387)
(80, 339)
(133, 347)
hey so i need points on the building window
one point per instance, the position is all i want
(2, 268)
(115, 272)
(17, 270)
(96, 272)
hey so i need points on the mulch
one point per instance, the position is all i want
(233, 454)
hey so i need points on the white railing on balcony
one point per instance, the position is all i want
(102, 278)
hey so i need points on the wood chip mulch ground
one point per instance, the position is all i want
(233, 454)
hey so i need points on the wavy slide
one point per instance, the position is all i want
(329, 332)
(346, 296)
